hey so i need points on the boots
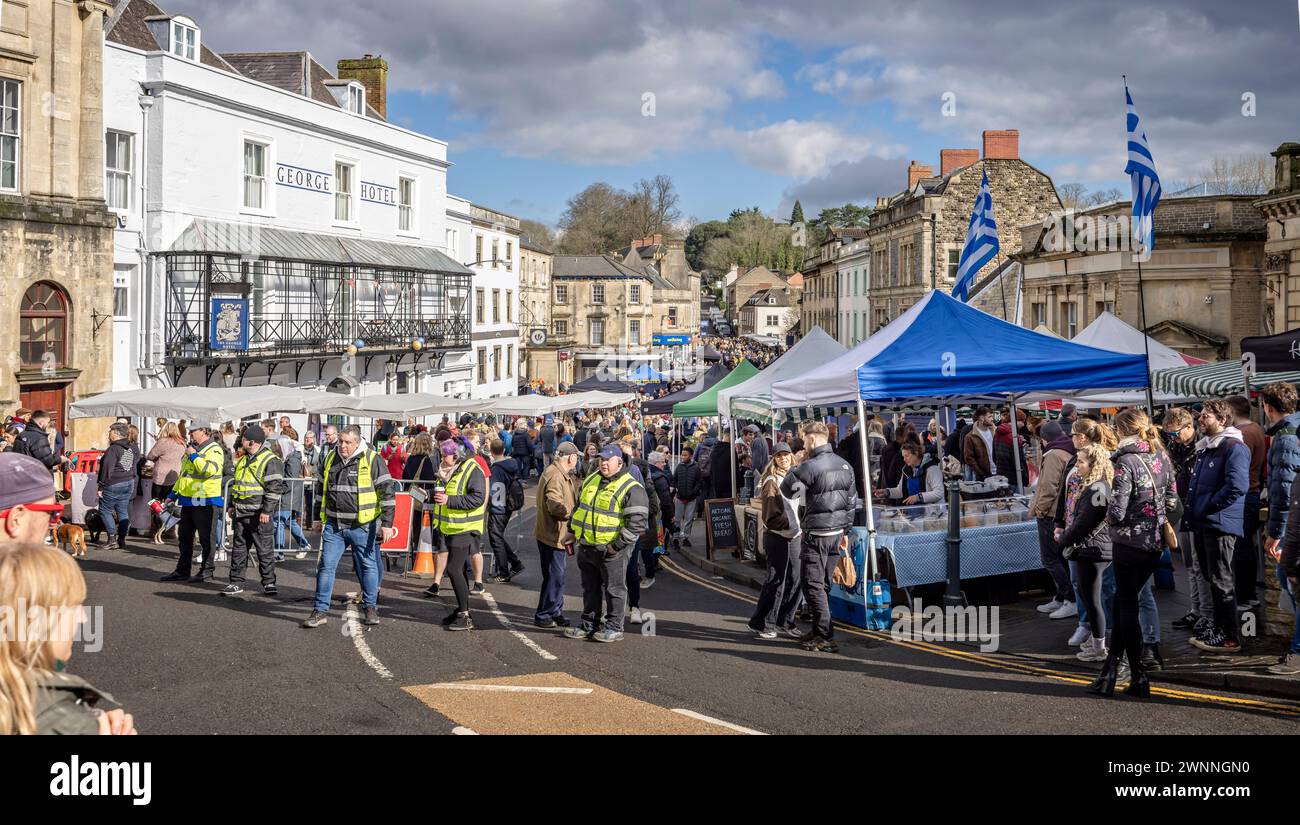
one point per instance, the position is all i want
(1151, 658)
(1104, 684)
(1139, 686)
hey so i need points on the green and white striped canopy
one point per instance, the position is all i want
(1213, 380)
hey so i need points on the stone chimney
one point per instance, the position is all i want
(881, 203)
(950, 160)
(371, 72)
(915, 172)
(1002, 144)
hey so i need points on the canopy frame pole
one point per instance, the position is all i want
(1015, 446)
(731, 426)
(866, 490)
(938, 437)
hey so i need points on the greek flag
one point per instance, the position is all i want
(1141, 170)
(981, 242)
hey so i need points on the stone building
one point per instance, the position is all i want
(676, 295)
(1203, 287)
(56, 234)
(917, 235)
(770, 312)
(1281, 210)
(541, 349)
(748, 282)
(821, 282)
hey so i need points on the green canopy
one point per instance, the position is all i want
(705, 404)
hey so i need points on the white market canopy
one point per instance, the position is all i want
(753, 397)
(1109, 332)
(200, 404)
(397, 406)
(538, 405)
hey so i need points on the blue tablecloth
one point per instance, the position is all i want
(922, 558)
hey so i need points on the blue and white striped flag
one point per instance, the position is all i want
(981, 242)
(1141, 170)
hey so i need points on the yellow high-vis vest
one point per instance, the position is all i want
(448, 520)
(201, 477)
(599, 514)
(367, 500)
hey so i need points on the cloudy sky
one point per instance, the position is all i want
(758, 102)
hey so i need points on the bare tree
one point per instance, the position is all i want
(537, 233)
(1071, 194)
(1238, 175)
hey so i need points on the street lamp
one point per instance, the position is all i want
(228, 377)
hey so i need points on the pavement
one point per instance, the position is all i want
(183, 659)
(1028, 634)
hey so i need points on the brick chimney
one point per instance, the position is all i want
(1002, 144)
(950, 160)
(371, 72)
(915, 172)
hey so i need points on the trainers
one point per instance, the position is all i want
(450, 617)
(477, 589)
(560, 621)
(270, 590)
(199, 579)
(1050, 607)
(765, 635)
(1066, 611)
(1202, 627)
(646, 584)
(1080, 637)
(635, 618)
(516, 568)
(231, 589)
(1186, 623)
(1217, 642)
(279, 558)
(500, 578)
(316, 619)
(577, 633)
(1093, 650)
(607, 635)
(1288, 665)
(175, 577)
(371, 616)
(820, 645)
(431, 591)
(793, 632)
(462, 621)
(544, 624)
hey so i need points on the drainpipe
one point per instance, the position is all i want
(146, 280)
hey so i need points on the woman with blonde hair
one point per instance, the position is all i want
(1083, 432)
(37, 696)
(166, 454)
(1084, 538)
(779, 598)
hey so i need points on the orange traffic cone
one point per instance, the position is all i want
(423, 566)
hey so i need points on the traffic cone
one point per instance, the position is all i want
(423, 566)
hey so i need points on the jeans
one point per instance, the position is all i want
(685, 513)
(249, 531)
(1215, 551)
(115, 510)
(1245, 553)
(779, 597)
(1198, 586)
(364, 544)
(1295, 602)
(285, 519)
(604, 586)
(1091, 575)
(1050, 553)
(1148, 614)
(818, 557)
(525, 463)
(550, 601)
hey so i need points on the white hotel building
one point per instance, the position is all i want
(262, 178)
(853, 271)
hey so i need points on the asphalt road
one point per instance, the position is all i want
(183, 659)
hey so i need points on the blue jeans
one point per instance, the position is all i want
(550, 601)
(285, 518)
(1148, 615)
(115, 510)
(1295, 640)
(363, 541)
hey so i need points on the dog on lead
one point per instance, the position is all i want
(71, 535)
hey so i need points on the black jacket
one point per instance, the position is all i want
(35, 442)
(720, 470)
(687, 481)
(118, 463)
(826, 482)
(520, 443)
(663, 491)
(1090, 514)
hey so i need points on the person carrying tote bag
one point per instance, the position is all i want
(1085, 540)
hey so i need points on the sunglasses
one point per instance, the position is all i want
(54, 510)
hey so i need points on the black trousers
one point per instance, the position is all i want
(1133, 568)
(1214, 551)
(248, 531)
(779, 598)
(1049, 552)
(1245, 554)
(459, 547)
(203, 521)
(604, 587)
(507, 558)
(818, 557)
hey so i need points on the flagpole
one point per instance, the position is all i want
(1146, 344)
(1137, 258)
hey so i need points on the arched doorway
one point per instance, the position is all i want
(43, 350)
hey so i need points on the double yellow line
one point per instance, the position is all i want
(989, 661)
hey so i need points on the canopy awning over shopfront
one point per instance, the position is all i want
(202, 404)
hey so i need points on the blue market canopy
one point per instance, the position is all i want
(946, 351)
(645, 372)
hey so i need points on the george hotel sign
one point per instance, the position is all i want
(299, 178)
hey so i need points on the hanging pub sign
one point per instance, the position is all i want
(1274, 353)
(229, 325)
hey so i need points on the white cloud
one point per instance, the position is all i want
(793, 148)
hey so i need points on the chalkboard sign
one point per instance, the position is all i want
(751, 533)
(720, 529)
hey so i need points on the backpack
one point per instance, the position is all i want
(515, 495)
(702, 457)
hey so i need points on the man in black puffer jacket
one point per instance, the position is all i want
(825, 482)
(34, 441)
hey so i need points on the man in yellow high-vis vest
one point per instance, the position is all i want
(255, 499)
(198, 490)
(611, 515)
(356, 509)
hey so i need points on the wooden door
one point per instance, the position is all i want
(48, 397)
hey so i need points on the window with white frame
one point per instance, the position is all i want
(773, 320)
(496, 306)
(496, 363)
(598, 293)
(405, 205)
(560, 328)
(478, 249)
(1039, 314)
(185, 41)
(496, 247)
(356, 100)
(482, 365)
(634, 332)
(254, 174)
(480, 298)
(672, 316)
(122, 293)
(510, 256)
(344, 174)
(954, 263)
(510, 360)
(597, 332)
(561, 294)
(10, 133)
(634, 294)
(510, 306)
(117, 170)
(1071, 319)
(453, 244)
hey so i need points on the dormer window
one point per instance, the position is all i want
(185, 39)
(356, 99)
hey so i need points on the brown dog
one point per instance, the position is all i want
(72, 535)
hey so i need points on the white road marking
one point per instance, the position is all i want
(352, 627)
(728, 725)
(509, 625)
(461, 730)
(510, 688)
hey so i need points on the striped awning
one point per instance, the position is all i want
(1213, 380)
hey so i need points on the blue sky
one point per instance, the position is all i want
(762, 101)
